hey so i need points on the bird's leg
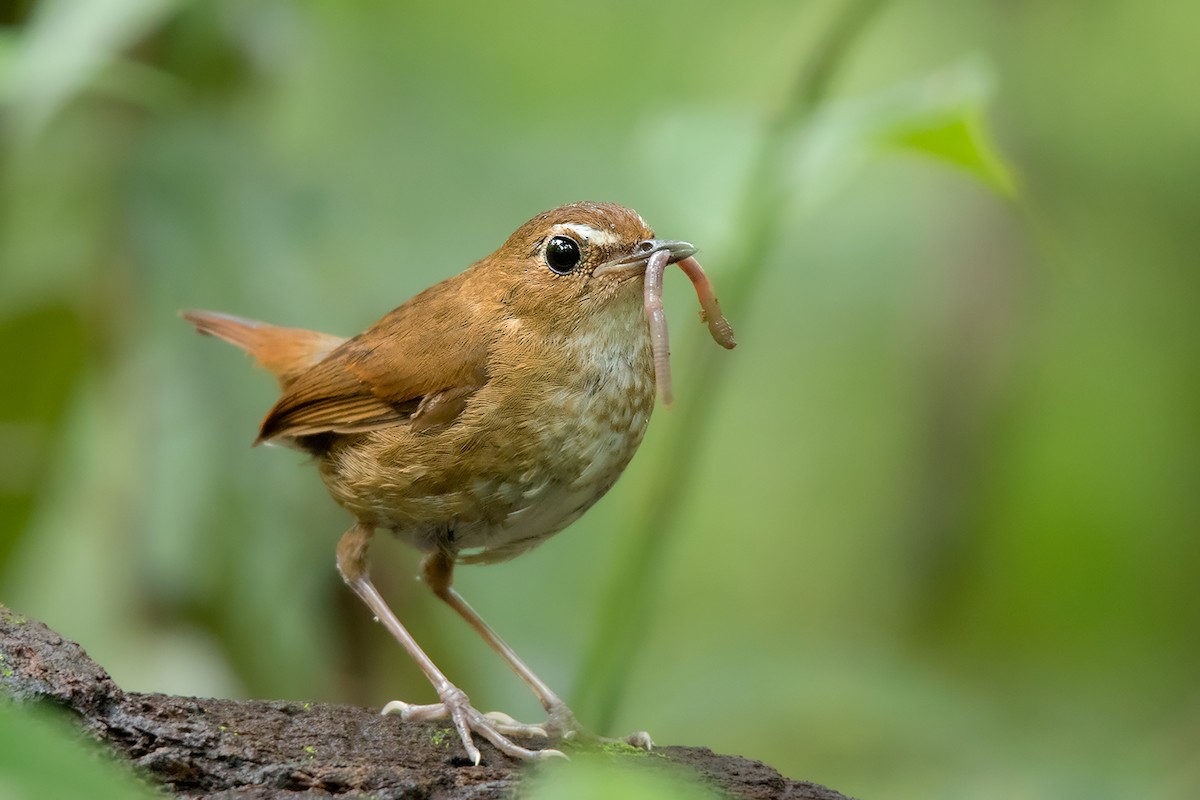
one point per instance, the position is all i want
(437, 570)
(352, 564)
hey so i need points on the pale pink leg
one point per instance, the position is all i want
(352, 563)
(437, 570)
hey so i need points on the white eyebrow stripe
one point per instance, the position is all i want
(594, 235)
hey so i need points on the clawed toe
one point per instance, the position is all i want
(641, 740)
(415, 713)
(511, 727)
(562, 723)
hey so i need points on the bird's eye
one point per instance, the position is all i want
(562, 254)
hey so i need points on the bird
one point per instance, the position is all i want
(482, 416)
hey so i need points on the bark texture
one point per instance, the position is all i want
(199, 748)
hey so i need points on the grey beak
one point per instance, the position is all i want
(641, 255)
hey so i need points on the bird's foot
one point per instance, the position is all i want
(496, 727)
(562, 723)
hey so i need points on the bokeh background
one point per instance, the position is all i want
(930, 531)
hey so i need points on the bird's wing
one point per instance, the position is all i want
(420, 364)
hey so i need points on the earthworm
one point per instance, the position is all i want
(710, 309)
(710, 312)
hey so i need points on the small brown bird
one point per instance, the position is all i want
(484, 415)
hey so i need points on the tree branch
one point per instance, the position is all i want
(198, 748)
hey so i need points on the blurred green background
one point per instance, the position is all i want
(930, 531)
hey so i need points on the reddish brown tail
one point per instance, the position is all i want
(284, 352)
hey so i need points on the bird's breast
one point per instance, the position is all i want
(583, 419)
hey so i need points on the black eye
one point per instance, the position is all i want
(562, 254)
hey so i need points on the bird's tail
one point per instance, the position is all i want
(286, 353)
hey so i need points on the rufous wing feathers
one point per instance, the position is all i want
(421, 363)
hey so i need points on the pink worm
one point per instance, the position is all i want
(710, 312)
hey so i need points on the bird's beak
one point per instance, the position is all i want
(636, 261)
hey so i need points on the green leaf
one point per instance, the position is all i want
(939, 115)
(591, 777)
(43, 758)
(960, 139)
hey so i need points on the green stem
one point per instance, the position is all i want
(624, 617)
